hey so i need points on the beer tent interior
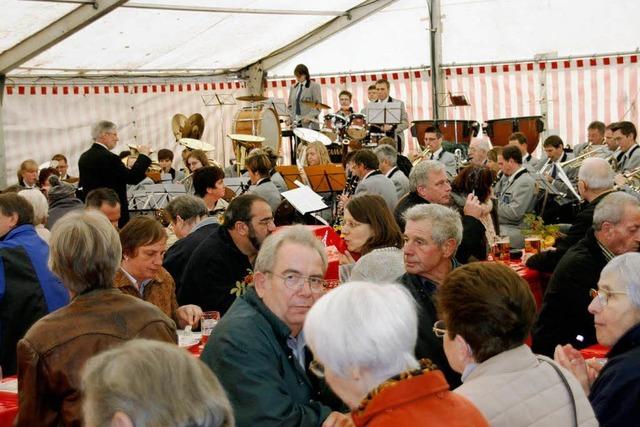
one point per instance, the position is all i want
(139, 63)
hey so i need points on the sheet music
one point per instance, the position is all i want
(305, 200)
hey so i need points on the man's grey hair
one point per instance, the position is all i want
(266, 258)
(420, 173)
(388, 153)
(189, 208)
(153, 383)
(101, 127)
(381, 334)
(596, 174)
(480, 144)
(611, 209)
(39, 203)
(85, 251)
(445, 222)
(626, 268)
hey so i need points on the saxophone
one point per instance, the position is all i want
(349, 189)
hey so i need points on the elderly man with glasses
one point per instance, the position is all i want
(564, 317)
(258, 350)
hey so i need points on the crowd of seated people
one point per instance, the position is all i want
(80, 284)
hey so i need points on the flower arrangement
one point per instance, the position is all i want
(241, 285)
(534, 226)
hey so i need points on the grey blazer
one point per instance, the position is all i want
(400, 181)
(449, 162)
(571, 173)
(278, 181)
(532, 164)
(311, 93)
(631, 159)
(268, 191)
(516, 198)
(379, 184)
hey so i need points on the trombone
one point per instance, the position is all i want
(425, 154)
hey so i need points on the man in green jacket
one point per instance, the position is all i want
(258, 350)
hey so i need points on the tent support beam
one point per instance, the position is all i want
(352, 16)
(54, 33)
(3, 157)
(439, 96)
(256, 77)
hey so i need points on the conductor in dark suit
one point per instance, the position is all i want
(99, 167)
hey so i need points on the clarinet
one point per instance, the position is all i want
(349, 189)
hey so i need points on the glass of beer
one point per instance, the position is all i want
(208, 321)
(533, 244)
(501, 249)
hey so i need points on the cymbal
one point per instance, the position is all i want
(310, 135)
(191, 127)
(252, 98)
(195, 144)
(316, 105)
(245, 138)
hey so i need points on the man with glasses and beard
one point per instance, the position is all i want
(225, 257)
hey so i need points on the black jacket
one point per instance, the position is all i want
(177, 256)
(99, 168)
(474, 242)
(429, 345)
(615, 395)
(564, 313)
(548, 260)
(212, 272)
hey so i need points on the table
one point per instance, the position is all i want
(8, 404)
(533, 278)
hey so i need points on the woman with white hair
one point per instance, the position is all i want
(40, 211)
(371, 366)
(614, 392)
(131, 386)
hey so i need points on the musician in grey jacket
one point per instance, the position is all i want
(258, 166)
(365, 165)
(433, 141)
(532, 164)
(515, 193)
(625, 134)
(388, 159)
(559, 209)
(304, 90)
(395, 131)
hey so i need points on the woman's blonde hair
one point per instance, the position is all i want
(322, 152)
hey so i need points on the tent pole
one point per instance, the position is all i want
(437, 76)
(3, 158)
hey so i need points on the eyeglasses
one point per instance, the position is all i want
(603, 295)
(266, 221)
(296, 282)
(316, 368)
(439, 328)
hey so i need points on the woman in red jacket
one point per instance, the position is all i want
(370, 364)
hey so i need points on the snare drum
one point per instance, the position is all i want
(357, 128)
(499, 130)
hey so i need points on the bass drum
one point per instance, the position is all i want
(264, 121)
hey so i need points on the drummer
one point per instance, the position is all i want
(372, 96)
(302, 114)
(345, 98)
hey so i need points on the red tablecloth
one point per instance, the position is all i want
(532, 277)
(8, 406)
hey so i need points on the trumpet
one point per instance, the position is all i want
(425, 154)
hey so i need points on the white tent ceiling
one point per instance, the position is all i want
(142, 37)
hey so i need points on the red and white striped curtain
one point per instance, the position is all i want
(42, 120)
(575, 92)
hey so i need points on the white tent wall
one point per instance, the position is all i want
(578, 91)
(42, 120)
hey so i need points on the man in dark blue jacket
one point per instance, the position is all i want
(28, 289)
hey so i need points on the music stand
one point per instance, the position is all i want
(291, 174)
(219, 100)
(237, 184)
(326, 178)
(278, 105)
(384, 113)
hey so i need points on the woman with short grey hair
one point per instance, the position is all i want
(133, 385)
(614, 389)
(85, 253)
(371, 365)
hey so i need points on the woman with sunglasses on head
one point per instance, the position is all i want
(487, 311)
(614, 389)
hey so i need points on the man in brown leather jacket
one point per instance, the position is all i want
(54, 350)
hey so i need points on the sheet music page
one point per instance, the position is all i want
(305, 200)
